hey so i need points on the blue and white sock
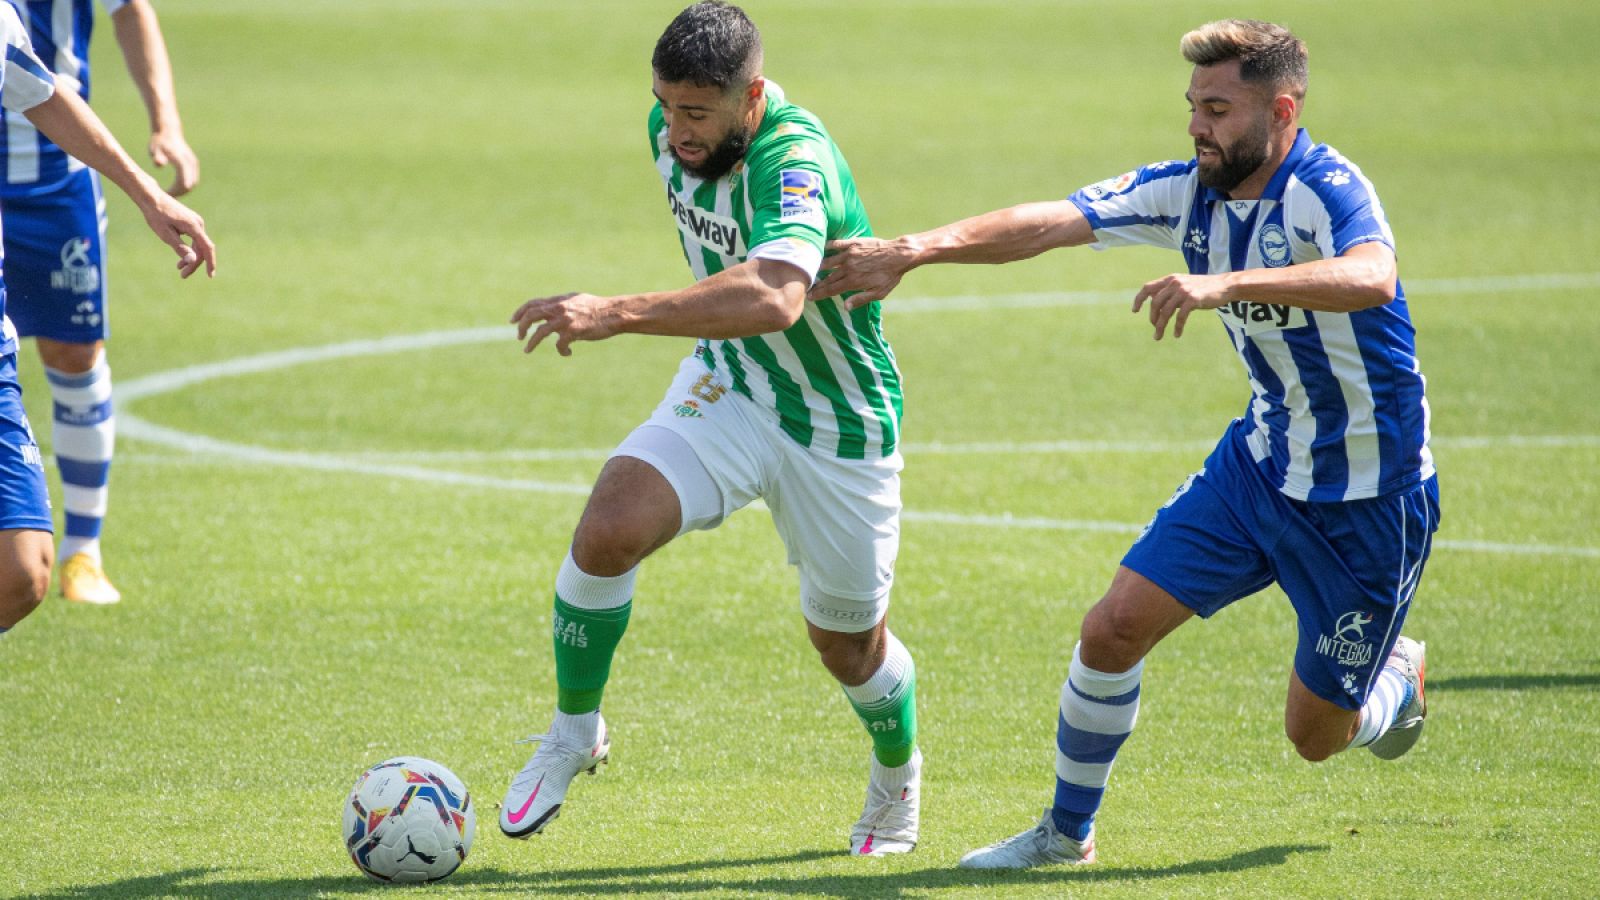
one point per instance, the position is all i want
(1098, 710)
(1390, 693)
(84, 437)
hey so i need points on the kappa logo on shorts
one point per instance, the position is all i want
(78, 273)
(1348, 646)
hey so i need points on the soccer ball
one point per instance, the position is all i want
(408, 819)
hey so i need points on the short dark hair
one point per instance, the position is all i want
(710, 44)
(1268, 54)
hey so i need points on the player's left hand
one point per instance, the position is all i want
(570, 317)
(170, 147)
(1172, 299)
(172, 222)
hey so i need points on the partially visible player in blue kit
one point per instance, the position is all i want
(28, 89)
(54, 223)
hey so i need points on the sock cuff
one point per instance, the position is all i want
(82, 388)
(889, 681)
(579, 589)
(577, 728)
(1102, 684)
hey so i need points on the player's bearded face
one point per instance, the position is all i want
(719, 158)
(708, 129)
(1228, 165)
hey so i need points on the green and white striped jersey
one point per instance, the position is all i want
(830, 378)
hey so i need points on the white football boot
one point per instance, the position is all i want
(536, 794)
(1041, 845)
(1410, 657)
(890, 818)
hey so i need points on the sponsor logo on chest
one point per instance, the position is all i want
(706, 228)
(1255, 318)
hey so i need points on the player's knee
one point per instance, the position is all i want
(849, 658)
(22, 589)
(1113, 639)
(609, 545)
(73, 359)
(1313, 746)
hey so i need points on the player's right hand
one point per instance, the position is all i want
(570, 317)
(870, 266)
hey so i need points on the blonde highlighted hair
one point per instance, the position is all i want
(1268, 54)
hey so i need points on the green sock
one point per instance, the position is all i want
(585, 639)
(892, 722)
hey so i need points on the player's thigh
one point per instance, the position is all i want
(1203, 547)
(1351, 570)
(55, 263)
(695, 461)
(840, 523)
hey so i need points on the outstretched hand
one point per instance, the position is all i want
(570, 317)
(870, 266)
(1172, 299)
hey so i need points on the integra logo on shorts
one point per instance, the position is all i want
(708, 229)
(77, 273)
(1348, 645)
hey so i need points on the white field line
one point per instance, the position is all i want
(987, 448)
(131, 426)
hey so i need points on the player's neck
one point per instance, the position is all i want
(1253, 187)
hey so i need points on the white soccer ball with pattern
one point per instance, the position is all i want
(408, 820)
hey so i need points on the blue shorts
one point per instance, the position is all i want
(55, 261)
(24, 499)
(1349, 568)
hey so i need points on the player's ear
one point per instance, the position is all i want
(757, 88)
(1285, 110)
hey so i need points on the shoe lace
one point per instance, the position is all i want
(550, 744)
(885, 808)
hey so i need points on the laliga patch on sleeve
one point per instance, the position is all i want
(802, 194)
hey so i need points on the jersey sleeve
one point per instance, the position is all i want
(25, 83)
(1145, 206)
(111, 6)
(790, 189)
(1347, 211)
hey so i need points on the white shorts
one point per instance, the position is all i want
(838, 518)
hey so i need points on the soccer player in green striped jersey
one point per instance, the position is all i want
(796, 403)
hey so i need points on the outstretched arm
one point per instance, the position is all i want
(67, 120)
(874, 267)
(145, 51)
(754, 297)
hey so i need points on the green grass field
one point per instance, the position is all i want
(331, 561)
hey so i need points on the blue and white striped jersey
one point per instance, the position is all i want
(1338, 411)
(24, 84)
(60, 32)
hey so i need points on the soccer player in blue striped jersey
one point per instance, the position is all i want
(1325, 484)
(796, 403)
(55, 258)
(27, 549)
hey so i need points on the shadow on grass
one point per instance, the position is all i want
(647, 879)
(1512, 682)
